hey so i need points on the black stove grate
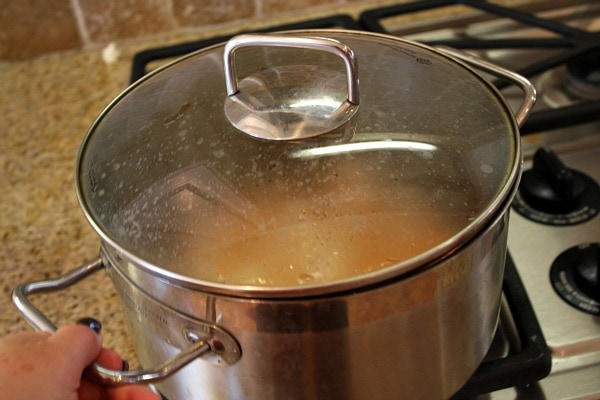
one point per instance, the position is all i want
(521, 367)
(574, 43)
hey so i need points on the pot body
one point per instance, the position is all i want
(392, 221)
(418, 337)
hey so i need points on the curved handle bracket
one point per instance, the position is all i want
(35, 318)
(200, 345)
(520, 81)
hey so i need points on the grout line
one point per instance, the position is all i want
(80, 21)
(258, 9)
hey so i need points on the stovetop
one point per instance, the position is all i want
(539, 40)
(566, 121)
(573, 336)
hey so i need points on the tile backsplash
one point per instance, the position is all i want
(30, 28)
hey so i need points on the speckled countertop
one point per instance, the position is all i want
(46, 106)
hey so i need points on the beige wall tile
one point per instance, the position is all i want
(32, 27)
(111, 20)
(194, 13)
(29, 28)
(270, 7)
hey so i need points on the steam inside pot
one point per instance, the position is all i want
(344, 218)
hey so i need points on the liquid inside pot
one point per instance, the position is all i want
(324, 250)
(340, 223)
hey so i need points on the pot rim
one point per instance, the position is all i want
(425, 260)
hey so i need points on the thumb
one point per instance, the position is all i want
(80, 344)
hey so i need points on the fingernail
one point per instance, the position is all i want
(125, 366)
(91, 323)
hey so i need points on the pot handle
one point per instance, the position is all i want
(103, 375)
(269, 103)
(315, 43)
(518, 80)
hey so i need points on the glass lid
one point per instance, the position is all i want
(414, 164)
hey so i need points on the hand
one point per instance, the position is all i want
(40, 365)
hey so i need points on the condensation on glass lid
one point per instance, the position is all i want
(199, 225)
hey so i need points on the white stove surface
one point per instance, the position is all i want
(572, 335)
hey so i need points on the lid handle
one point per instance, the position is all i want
(528, 89)
(293, 101)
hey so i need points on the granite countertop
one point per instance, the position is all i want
(46, 107)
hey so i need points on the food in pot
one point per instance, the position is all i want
(345, 218)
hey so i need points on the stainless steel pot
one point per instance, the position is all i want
(275, 233)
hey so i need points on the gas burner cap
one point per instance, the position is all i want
(583, 76)
(578, 80)
(551, 90)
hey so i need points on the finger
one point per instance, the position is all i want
(91, 390)
(79, 344)
(132, 392)
(110, 359)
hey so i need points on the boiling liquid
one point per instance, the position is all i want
(288, 235)
(326, 250)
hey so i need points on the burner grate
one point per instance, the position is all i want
(522, 366)
(571, 42)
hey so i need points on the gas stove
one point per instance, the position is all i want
(554, 258)
(554, 232)
(548, 341)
